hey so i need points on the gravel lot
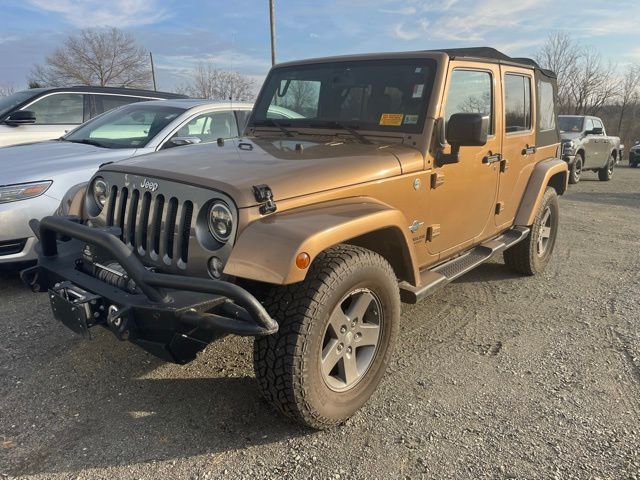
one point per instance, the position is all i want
(496, 376)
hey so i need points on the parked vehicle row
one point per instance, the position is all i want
(44, 113)
(389, 177)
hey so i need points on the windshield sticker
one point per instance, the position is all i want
(410, 119)
(391, 119)
(418, 70)
(417, 90)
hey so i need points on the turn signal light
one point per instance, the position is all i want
(303, 260)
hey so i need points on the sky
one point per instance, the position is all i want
(234, 35)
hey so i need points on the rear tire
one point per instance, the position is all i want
(606, 172)
(531, 255)
(576, 169)
(336, 336)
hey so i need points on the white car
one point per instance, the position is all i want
(35, 177)
(47, 113)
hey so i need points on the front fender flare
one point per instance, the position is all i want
(267, 248)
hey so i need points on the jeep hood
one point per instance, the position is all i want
(290, 171)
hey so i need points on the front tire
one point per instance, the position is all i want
(531, 255)
(606, 172)
(576, 169)
(336, 336)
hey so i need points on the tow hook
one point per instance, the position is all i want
(118, 321)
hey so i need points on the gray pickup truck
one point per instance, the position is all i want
(586, 146)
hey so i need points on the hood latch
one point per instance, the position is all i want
(264, 195)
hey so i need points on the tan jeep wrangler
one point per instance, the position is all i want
(391, 175)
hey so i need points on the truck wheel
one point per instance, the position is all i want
(530, 256)
(336, 336)
(606, 172)
(576, 169)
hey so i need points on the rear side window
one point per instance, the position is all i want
(104, 103)
(59, 109)
(470, 91)
(517, 103)
(546, 109)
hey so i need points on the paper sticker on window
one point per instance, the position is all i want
(417, 90)
(410, 119)
(392, 119)
(418, 70)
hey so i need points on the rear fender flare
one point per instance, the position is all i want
(551, 172)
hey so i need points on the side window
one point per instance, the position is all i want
(597, 123)
(588, 125)
(104, 103)
(210, 126)
(546, 110)
(470, 91)
(517, 103)
(59, 109)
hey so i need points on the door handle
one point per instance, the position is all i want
(529, 150)
(489, 159)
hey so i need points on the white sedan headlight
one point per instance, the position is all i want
(23, 191)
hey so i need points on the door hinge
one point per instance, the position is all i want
(499, 208)
(433, 231)
(437, 179)
(504, 165)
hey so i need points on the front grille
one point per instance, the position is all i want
(11, 247)
(153, 225)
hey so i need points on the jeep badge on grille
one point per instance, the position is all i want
(149, 185)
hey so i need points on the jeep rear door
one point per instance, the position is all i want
(462, 194)
(518, 140)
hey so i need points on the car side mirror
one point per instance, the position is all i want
(180, 141)
(464, 130)
(21, 117)
(597, 131)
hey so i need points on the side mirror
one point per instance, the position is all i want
(180, 141)
(596, 131)
(464, 130)
(21, 117)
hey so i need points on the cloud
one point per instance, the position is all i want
(99, 13)
(400, 11)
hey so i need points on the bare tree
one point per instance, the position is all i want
(105, 57)
(629, 92)
(585, 82)
(7, 89)
(213, 83)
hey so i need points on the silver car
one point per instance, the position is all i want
(35, 177)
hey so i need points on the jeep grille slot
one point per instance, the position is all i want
(185, 230)
(152, 226)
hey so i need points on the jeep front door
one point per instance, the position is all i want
(518, 141)
(462, 194)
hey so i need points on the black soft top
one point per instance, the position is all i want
(491, 54)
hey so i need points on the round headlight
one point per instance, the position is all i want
(220, 222)
(99, 190)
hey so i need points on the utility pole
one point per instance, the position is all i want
(272, 20)
(153, 72)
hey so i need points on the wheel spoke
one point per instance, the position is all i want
(545, 217)
(330, 356)
(338, 319)
(369, 334)
(545, 232)
(349, 370)
(540, 245)
(359, 306)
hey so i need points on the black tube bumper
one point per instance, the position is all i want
(171, 316)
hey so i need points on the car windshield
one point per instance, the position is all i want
(385, 95)
(131, 126)
(570, 124)
(10, 101)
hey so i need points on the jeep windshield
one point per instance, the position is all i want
(375, 95)
(131, 126)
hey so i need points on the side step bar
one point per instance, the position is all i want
(437, 277)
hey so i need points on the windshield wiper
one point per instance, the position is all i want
(86, 141)
(274, 123)
(351, 129)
